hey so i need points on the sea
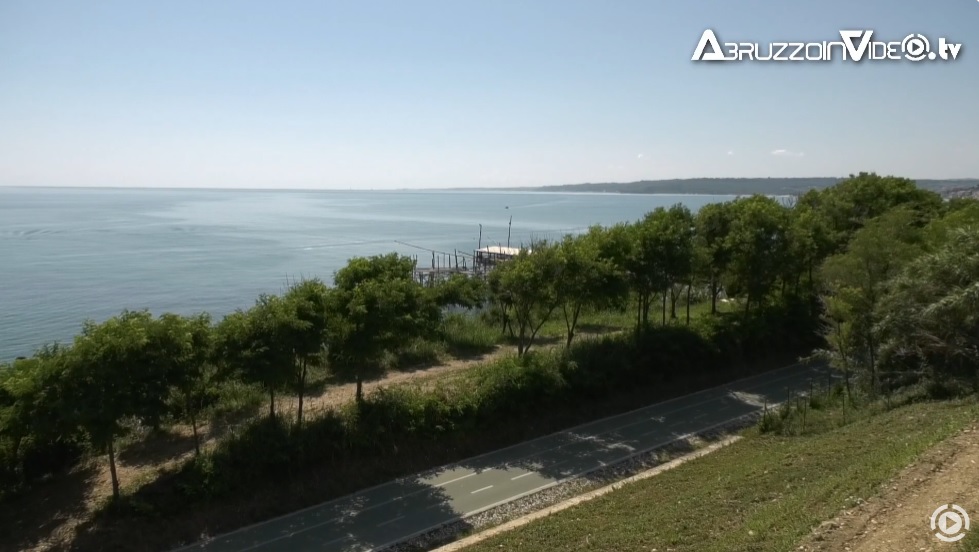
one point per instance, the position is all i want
(73, 254)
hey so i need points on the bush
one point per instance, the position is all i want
(420, 352)
(469, 335)
(398, 424)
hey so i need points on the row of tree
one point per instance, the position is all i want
(901, 302)
(135, 368)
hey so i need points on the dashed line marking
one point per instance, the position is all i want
(392, 520)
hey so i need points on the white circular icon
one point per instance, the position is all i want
(950, 522)
(915, 46)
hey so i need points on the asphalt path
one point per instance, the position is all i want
(392, 512)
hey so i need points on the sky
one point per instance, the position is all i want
(373, 94)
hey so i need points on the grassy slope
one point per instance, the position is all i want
(764, 493)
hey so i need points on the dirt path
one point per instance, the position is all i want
(337, 395)
(899, 518)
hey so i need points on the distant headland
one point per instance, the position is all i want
(743, 186)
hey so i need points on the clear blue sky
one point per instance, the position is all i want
(391, 94)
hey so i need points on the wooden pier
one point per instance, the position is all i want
(444, 265)
(477, 264)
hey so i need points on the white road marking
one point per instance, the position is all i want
(481, 490)
(456, 479)
(392, 520)
(753, 382)
(519, 476)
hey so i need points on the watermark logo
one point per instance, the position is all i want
(855, 45)
(950, 522)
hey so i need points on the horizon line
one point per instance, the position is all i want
(458, 188)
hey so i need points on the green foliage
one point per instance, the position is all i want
(504, 393)
(759, 244)
(527, 288)
(854, 201)
(112, 377)
(712, 251)
(588, 280)
(468, 335)
(375, 308)
(858, 279)
(306, 327)
(960, 213)
(899, 297)
(182, 349)
(36, 438)
(255, 346)
(461, 291)
(929, 322)
(669, 241)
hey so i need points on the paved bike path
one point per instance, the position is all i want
(388, 513)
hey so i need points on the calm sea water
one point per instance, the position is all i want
(67, 255)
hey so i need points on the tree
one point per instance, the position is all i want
(929, 318)
(588, 281)
(851, 203)
(306, 330)
(181, 348)
(462, 291)
(255, 344)
(644, 265)
(758, 245)
(959, 214)
(621, 246)
(111, 376)
(528, 284)
(858, 279)
(375, 308)
(671, 234)
(809, 241)
(33, 409)
(712, 227)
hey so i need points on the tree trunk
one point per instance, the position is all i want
(193, 426)
(639, 313)
(16, 451)
(674, 297)
(713, 295)
(360, 388)
(643, 310)
(302, 391)
(688, 303)
(572, 323)
(271, 403)
(872, 357)
(112, 470)
(664, 307)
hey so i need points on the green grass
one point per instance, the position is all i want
(971, 541)
(236, 401)
(615, 320)
(466, 335)
(764, 493)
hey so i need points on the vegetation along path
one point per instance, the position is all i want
(398, 510)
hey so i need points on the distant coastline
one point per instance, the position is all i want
(949, 188)
(734, 186)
